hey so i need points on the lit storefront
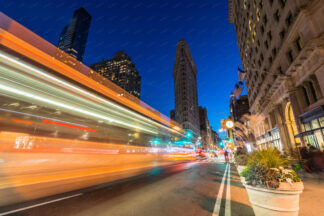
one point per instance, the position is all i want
(270, 139)
(313, 127)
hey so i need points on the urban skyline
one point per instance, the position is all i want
(84, 126)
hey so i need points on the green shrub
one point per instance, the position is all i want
(265, 168)
(241, 159)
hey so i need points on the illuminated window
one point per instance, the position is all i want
(299, 44)
(258, 13)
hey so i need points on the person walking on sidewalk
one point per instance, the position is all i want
(226, 156)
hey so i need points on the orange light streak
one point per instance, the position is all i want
(68, 125)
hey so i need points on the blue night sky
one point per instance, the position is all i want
(148, 31)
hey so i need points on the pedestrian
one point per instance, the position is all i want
(226, 155)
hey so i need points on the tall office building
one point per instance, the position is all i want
(281, 48)
(205, 130)
(185, 89)
(73, 38)
(121, 71)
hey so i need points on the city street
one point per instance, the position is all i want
(100, 113)
(197, 188)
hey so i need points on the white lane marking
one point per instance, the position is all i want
(39, 204)
(228, 194)
(220, 195)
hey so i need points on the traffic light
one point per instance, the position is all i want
(156, 141)
(189, 134)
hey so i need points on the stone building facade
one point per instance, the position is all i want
(185, 89)
(121, 70)
(281, 44)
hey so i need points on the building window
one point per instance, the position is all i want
(262, 29)
(265, 19)
(270, 35)
(270, 60)
(258, 13)
(277, 15)
(261, 56)
(290, 56)
(289, 19)
(313, 91)
(261, 4)
(283, 3)
(271, 2)
(306, 96)
(283, 33)
(299, 44)
(266, 44)
(274, 51)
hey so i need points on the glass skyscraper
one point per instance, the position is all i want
(74, 36)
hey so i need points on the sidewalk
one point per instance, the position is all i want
(312, 199)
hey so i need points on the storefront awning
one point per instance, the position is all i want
(306, 133)
(312, 114)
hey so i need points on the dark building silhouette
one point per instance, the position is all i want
(239, 107)
(185, 89)
(121, 71)
(205, 129)
(172, 115)
(73, 38)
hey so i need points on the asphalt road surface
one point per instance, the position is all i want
(197, 189)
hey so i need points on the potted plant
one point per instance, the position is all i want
(272, 189)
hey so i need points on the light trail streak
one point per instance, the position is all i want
(24, 65)
(75, 109)
(69, 125)
(48, 93)
(41, 117)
